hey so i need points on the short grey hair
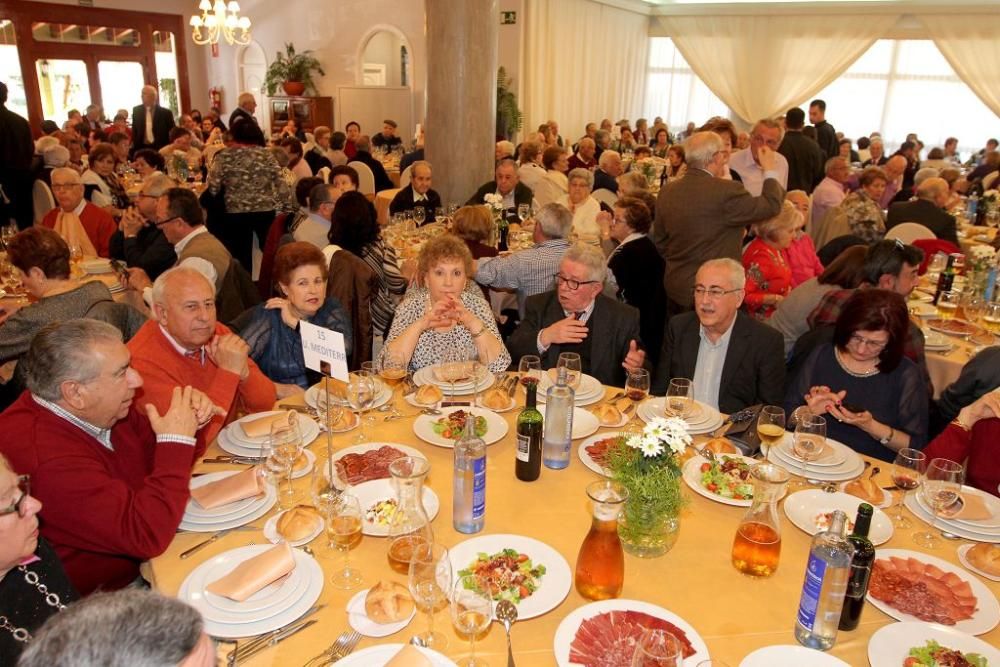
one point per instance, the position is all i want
(62, 352)
(924, 173)
(932, 188)
(581, 174)
(788, 217)
(700, 148)
(607, 156)
(320, 194)
(586, 141)
(633, 182)
(737, 275)
(832, 163)
(161, 285)
(70, 175)
(770, 124)
(506, 146)
(591, 257)
(421, 164)
(126, 628)
(157, 184)
(601, 136)
(555, 221)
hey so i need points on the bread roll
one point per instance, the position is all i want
(721, 446)
(261, 427)
(428, 394)
(297, 523)
(388, 602)
(300, 463)
(986, 557)
(409, 656)
(495, 399)
(866, 489)
(338, 390)
(347, 420)
(609, 415)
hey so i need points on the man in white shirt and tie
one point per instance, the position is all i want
(151, 123)
(418, 194)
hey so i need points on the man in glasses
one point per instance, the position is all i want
(138, 241)
(576, 317)
(766, 133)
(72, 211)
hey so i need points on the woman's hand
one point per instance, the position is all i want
(286, 390)
(286, 311)
(463, 315)
(773, 299)
(604, 221)
(821, 399)
(441, 315)
(862, 420)
(985, 407)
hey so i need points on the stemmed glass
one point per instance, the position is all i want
(770, 427)
(360, 394)
(907, 470)
(392, 369)
(942, 486)
(286, 446)
(523, 212)
(530, 366)
(478, 369)
(680, 398)
(471, 612)
(657, 648)
(430, 584)
(571, 362)
(453, 366)
(419, 215)
(808, 443)
(343, 530)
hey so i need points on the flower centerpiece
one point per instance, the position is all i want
(982, 259)
(648, 465)
(494, 202)
(989, 203)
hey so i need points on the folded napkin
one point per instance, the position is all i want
(69, 227)
(261, 427)
(441, 376)
(246, 484)
(972, 508)
(409, 656)
(255, 573)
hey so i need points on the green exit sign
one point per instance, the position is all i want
(508, 18)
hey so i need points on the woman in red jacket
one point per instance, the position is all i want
(974, 435)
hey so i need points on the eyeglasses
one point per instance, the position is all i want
(166, 222)
(24, 484)
(66, 186)
(714, 292)
(875, 345)
(570, 283)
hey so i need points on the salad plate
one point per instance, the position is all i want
(378, 501)
(810, 511)
(441, 431)
(892, 644)
(791, 656)
(726, 483)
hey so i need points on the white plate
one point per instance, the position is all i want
(589, 391)
(802, 507)
(838, 456)
(955, 523)
(383, 395)
(987, 614)
(271, 531)
(691, 472)
(372, 492)
(992, 503)
(553, 586)
(886, 496)
(566, 631)
(705, 421)
(426, 376)
(367, 447)
(963, 552)
(411, 399)
(584, 422)
(962, 531)
(96, 266)
(496, 426)
(891, 644)
(383, 653)
(307, 427)
(790, 655)
(360, 621)
(852, 466)
(273, 599)
(581, 451)
(231, 515)
(922, 308)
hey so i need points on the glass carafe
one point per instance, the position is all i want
(409, 528)
(757, 545)
(600, 566)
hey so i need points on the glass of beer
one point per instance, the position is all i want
(392, 370)
(343, 530)
(808, 443)
(948, 303)
(770, 427)
(430, 585)
(991, 318)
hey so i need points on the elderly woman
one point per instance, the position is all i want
(676, 164)
(109, 193)
(725, 129)
(550, 188)
(634, 184)
(271, 329)
(873, 398)
(973, 436)
(531, 171)
(474, 225)
(23, 556)
(864, 214)
(627, 141)
(641, 133)
(801, 254)
(769, 278)
(661, 143)
(444, 314)
(296, 157)
(583, 207)
(345, 178)
(147, 162)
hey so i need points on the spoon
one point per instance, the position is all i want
(417, 641)
(506, 613)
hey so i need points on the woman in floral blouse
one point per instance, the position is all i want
(769, 278)
(864, 213)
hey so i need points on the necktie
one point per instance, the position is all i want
(578, 315)
(149, 126)
(197, 355)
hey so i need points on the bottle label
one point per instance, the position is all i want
(478, 487)
(811, 587)
(857, 585)
(523, 447)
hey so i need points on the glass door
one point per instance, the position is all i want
(63, 85)
(121, 81)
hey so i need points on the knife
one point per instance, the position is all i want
(275, 639)
(245, 460)
(297, 408)
(513, 386)
(201, 545)
(266, 637)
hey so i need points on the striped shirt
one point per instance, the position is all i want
(528, 271)
(381, 257)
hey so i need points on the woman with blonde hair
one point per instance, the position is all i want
(769, 278)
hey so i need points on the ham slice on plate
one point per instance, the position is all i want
(922, 590)
(373, 464)
(609, 639)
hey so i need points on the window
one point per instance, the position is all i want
(165, 52)
(63, 85)
(71, 33)
(10, 70)
(674, 92)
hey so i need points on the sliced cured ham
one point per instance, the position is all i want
(922, 590)
(609, 639)
(373, 464)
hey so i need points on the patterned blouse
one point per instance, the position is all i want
(252, 180)
(381, 257)
(864, 216)
(767, 273)
(432, 344)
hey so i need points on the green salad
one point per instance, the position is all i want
(507, 574)
(933, 654)
(728, 477)
(452, 425)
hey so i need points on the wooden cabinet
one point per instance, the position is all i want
(309, 112)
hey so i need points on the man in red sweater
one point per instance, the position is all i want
(67, 188)
(974, 435)
(184, 344)
(113, 481)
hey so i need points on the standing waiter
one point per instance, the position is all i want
(151, 123)
(16, 150)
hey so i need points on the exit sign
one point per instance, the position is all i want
(508, 18)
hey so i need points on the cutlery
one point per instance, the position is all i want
(506, 613)
(430, 411)
(281, 636)
(304, 409)
(245, 460)
(213, 538)
(334, 652)
(892, 487)
(513, 386)
(267, 636)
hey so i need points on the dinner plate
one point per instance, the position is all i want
(567, 629)
(581, 451)
(803, 507)
(271, 531)
(891, 644)
(383, 653)
(360, 621)
(308, 428)
(234, 509)
(790, 655)
(96, 266)
(370, 493)
(553, 586)
(273, 599)
(227, 444)
(587, 392)
(912, 504)
(963, 556)
(367, 447)
(982, 529)
(993, 505)
(691, 473)
(834, 453)
(921, 308)
(383, 395)
(585, 422)
(705, 420)
(987, 613)
(426, 376)
(496, 426)
(211, 524)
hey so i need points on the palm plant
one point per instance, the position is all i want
(292, 67)
(509, 118)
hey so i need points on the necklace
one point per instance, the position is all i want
(51, 599)
(858, 374)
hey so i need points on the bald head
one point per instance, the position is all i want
(934, 189)
(895, 167)
(149, 95)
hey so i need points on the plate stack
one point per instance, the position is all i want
(703, 418)
(432, 375)
(270, 608)
(96, 266)
(936, 342)
(589, 391)
(231, 515)
(315, 396)
(978, 530)
(233, 440)
(838, 462)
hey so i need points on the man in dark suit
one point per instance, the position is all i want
(608, 170)
(703, 216)
(507, 185)
(826, 135)
(418, 194)
(576, 317)
(363, 154)
(151, 123)
(16, 151)
(733, 360)
(246, 104)
(805, 158)
(927, 209)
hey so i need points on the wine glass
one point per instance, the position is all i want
(680, 398)
(360, 394)
(657, 648)
(907, 470)
(392, 368)
(343, 530)
(430, 584)
(419, 215)
(770, 427)
(637, 385)
(571, 362)
(530, 366)
(523, 212)
(479, 369)
(471, 612)
(286, 444)
(274, 469)
(942, 487)
(808, 443)
(453, 366)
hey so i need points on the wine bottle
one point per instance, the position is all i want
(861, 569)
(946, 279)
(529, 438)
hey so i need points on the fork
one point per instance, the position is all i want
(343, 645)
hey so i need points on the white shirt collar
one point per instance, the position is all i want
(631, 237)
(587, 312)
(78, 211)
(723, 339)
(180, 245)
(181, 350)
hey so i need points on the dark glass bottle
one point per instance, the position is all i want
(861, 569)
(946, 280)
(529, 438)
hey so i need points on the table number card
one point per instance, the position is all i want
(323, 350)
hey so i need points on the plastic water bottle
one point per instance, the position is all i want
(469, 484)
(827, 573)
(970, 208)
(559, 404)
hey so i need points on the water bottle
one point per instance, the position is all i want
(469, 485)
(971, 206)
(827, 573)
(558, 437)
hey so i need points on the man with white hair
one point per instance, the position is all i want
(151, 123)
(418, 193)
(746, 162)
(246, 104)
(608, 170)
(584, 156)
(138, 241)
(503, 150)
(831, 190)
(508, 186)
(72, 211)
(733, 360)
(928, 209)
(577, 317)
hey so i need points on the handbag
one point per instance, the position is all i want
(742, 429)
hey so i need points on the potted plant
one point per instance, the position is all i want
(509, 117)
(293, 71)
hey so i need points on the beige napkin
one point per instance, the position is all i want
(246, 484)
(261, 427)
(973, 508)
(69, 227)
(409, 656)
(441, 376)
(255, 573)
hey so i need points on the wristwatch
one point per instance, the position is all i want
(887, 439)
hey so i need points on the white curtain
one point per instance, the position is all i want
(761, 66)
(583, 61)
(971, 45)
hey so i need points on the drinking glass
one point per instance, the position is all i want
(680, 398)
(479, 369)
(286, 444)
(392, 368)
(454, 366)
(942, 487)
(274, 470)
(419, 215)
(324, 492)
(530, 366)
(948, 303)
(907, 470)
(637, 385)
(471, 612)
(523, 212)
(770, 427)
(657, 648)
(808, 443)
(343, 530)
(360, 394)
(571, 362)
(430, 584)
(991, 318)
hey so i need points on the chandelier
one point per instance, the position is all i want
(220, 18)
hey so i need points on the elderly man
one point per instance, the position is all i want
(246, 104)
(315, 228)
(362, 153)
(608, 170)
(418, 193)
(928, 209)
(184, 344)
(804, 156)
(831, 190)
(576, 317)
(554, 127)
(93, 117)
(387, 137)
(733, 360)
(507, 185)
(414, 155)
(113, 479)
(138, 241)
(530, 271)
(877, 157)
(602, 141)
(703, 215)
(584, 156)
(181, 142)
(72, 211)
(151, 123)
(503, 150)
(746, 162)
(826, 135)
